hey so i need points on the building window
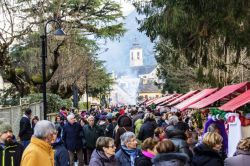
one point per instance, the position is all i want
(132, 56)
(138, 55)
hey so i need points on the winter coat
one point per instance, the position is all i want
(61, 154)
(98, 158)
(123, 158)
(170, 159)
(72, 136)
(205, 156)
(242, 158)
(11, 154)
(147, 130)
(138, 116)
(91, 134)
(143, 160)
(178, 137)
(38, 153)
(109, 130)
(138, 125)
(26, 130)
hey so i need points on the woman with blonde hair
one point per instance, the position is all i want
(207, 153)
(242, 155)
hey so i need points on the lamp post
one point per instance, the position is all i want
(59, 35)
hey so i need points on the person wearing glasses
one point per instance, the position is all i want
(104, 153)
(128, 151)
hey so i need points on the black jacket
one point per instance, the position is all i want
(26, 130)
(147, 130)
(91, 134)
(72, 136)
(205, 156)
(11, 155)
(142, 160)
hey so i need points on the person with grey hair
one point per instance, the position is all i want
(39, 152)
(72, 137)
(91, 133)
(128, 151)
(176, 133)
(148, 127)
(103, 155)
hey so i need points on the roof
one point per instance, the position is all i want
(222, 93)
(237, 102)
(149, 87)
(198, 96)
(183, 97)
(170, 100)
(162, 99)
(149, 102)
(140, 70)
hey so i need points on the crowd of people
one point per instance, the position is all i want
(117, 136)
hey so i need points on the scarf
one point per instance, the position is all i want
(132, 153)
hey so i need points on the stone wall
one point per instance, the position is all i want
(12, 115)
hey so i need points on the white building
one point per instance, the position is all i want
(136, 58)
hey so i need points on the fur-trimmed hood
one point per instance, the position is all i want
(168, 158)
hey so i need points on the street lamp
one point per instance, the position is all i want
(59, 35)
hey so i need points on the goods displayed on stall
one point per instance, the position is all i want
(228, 108)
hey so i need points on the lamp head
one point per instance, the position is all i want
(59, 34)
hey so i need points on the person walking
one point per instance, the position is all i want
(128, 151)
(91, 132)
(148, 127)
(25, 131)
(207, 153)
(72, 137)
(104, 153)
(124, 124)
(242, 155)
(10, 151)
(40, 152)
(177, 135)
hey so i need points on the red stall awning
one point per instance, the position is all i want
(237, 102)
(183, 97)
(223, 92)
(162, 99)
(195, 98)
(170, 99)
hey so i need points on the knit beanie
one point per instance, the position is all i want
(4, 127)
